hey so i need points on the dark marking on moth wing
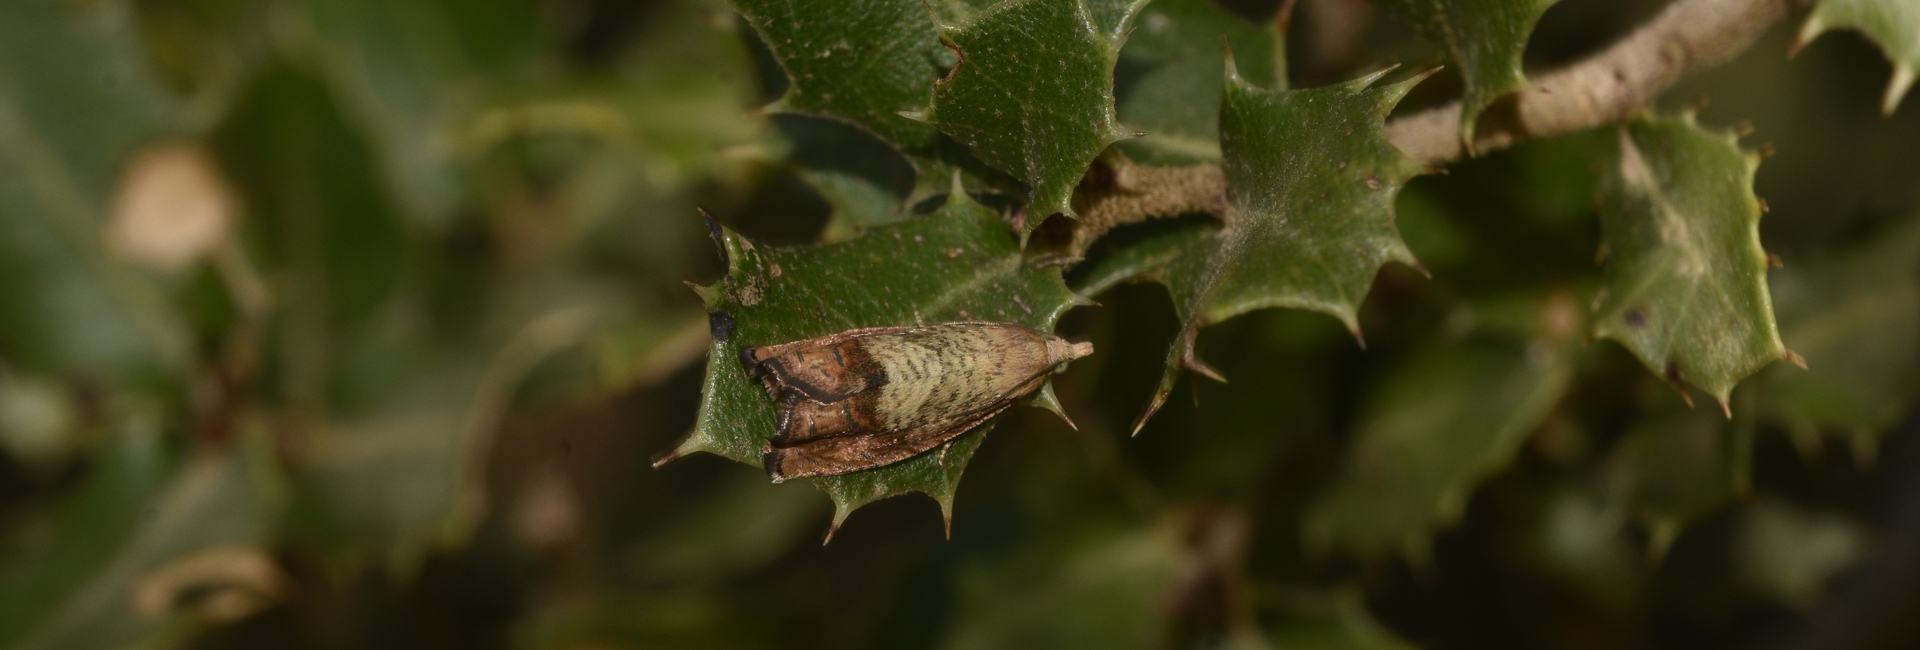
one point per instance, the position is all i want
(720, 324)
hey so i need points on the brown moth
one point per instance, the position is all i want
(870, 397)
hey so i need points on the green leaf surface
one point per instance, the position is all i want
(861, 61)
(1311, 180)
(1855, 317)
(1044, 124)
(89, 583)
(1176, 100)
(1431, 432)
(1486, 38)
(958, 263)
(1892, 24)
(1685, 283)
(76, 101)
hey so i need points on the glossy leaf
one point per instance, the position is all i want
(1044, 124)
(862, 62)
(959, 263)
(1485, 38)
(1176, 101)
(1892, 24)
(1686, 279)
(1311, 181)
(1429, 435)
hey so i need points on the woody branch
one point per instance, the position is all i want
(1604, 88)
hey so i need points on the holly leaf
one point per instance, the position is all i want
(1176, 100)
(1043, 124)
(1893, 24)
(958, 263)
(1434, 429)
(1855, 316)
(1685, 283)
(1311, 180)
(1486, 38)
(860, 61)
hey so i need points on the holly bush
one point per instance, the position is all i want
(1487, 323)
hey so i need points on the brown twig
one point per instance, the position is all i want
(1604, 88)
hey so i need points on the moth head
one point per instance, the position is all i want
(1059, 352)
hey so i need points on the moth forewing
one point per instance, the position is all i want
(870, 397)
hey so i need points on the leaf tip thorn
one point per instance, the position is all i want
(1794, 358)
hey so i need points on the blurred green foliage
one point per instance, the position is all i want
(386, 358)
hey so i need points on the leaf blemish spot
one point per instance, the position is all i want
(720, 324)
(1636, 317)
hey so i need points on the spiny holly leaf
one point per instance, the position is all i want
(862, 61)
(959, 263)
(1893, 24)
(1484, 37)
(1434, 429)
(1176, 102)
(1041, 123)
(1856, 318)
(1311, 179)
(1686, 279)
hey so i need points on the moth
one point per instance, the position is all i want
(870, 397)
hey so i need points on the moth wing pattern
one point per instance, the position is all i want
(843, 454)
(869, 397)
(826, 369)
(829, 455)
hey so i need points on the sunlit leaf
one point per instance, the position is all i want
(1041, 123)
(1686, 279)
(1311, 180)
